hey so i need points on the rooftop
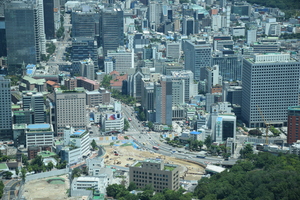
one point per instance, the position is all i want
(38, 126)
(78, 132)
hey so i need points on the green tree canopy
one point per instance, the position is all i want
(263, 176)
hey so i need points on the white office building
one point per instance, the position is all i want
(39, 135)
(270, 86)
(123, 59)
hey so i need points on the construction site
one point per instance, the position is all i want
(125, 156)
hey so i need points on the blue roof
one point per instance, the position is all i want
(30, 66)
(29, 71)
(219, 119)
(38, 126)
(195, 133)
(79, 132)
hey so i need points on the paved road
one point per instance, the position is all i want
(146, 140)
(9, 190)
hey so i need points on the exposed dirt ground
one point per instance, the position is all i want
(128, 155)
(42, 190)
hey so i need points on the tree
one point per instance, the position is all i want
(126, 125)
(114, 189)
(76, 173)
(106, 81)
(8, 174)
(200, 144)
(158, 196)
(255, 132)
(50, 166)
(132, 186)
(247, 151)
(23, 174)
(94, 144)
(1, 189)
(150, 125)
(17, 171)
(146, 195)
(208, 141)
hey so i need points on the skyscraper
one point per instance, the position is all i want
(70, 109)
(51, 17)
(197, 57)
(270, 86)
(24, 32)
(85, 23)
(5, 108)
(112, 30)
(163, 100)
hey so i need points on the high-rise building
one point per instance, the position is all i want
(156, 173)
(51, 17)
(212, 77)
(5, 108)
(24, 32)
(70, 109)
(197, 57)
(188, 26)
(270, 86)
(85, 23)
(230, 64)
(3, 51)
(84, 48)
(111, 29)
(173, 50)
(34, 102)
(154, 13)
(293, 124)
(190, 88)
(162, 100)
(123, 59)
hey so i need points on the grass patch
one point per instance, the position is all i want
(138, 164)
(169, 168)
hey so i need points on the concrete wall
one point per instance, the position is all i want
(46, 174)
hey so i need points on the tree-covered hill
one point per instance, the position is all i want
(281, 4)
(263, 176)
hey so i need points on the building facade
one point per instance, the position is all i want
(270, 86)
(41, 135)
(197, 57)
(155, 172)
(24, 32)
(70, 109)
(34, 102)
(5, 108)
(293, 124)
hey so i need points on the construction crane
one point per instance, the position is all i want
(266, 124)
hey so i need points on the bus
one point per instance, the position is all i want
(155, 147)
(129, 119)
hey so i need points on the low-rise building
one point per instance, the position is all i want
(112, 122)
(39, 135)
(155, 172)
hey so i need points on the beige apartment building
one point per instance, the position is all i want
(154, 172)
